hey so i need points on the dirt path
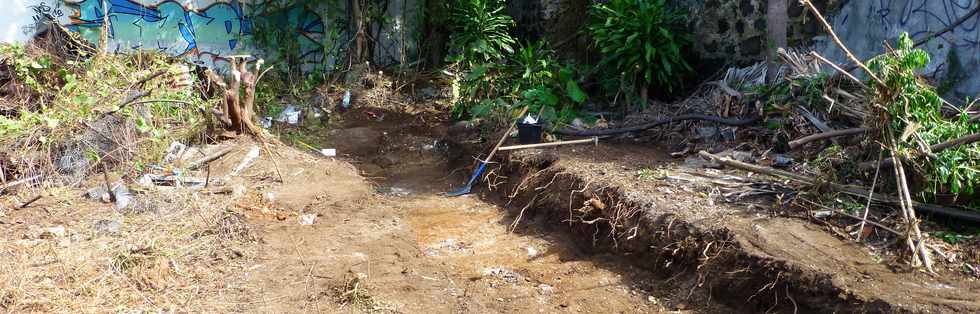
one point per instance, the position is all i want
(390, 242)
(414, 251)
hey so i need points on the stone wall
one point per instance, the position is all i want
(733, 32)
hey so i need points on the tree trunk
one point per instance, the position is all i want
(360, 44)
(235, 112)
(776, 30)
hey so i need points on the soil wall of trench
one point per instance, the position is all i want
(710, 262)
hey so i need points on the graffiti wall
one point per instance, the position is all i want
(205, 31)
(22, 19)
(865, 24)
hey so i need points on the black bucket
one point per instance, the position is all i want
(528, 133)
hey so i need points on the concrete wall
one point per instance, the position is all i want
(863, 25)
(206, 30)
(732, 33)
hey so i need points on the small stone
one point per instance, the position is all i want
(53, 232)
(742, 156)
(546, 289)
(531, 252)
(706, 132)
(651, 299)
(123, 196)
(269, 197)
(779, 160)
(107, 226)
(96, 193)
(238, 190)
(307, 219)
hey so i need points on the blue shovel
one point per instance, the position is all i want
(483, 164)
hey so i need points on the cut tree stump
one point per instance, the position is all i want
(237, 110)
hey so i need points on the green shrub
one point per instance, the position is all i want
(642, 39)
(531, 77)
(482, 32)
(915, 114)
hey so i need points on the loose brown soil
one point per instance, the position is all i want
(575, 229)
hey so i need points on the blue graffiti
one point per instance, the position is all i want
(219, 29)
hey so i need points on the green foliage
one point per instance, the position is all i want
(482, 32)
(27, 69)
(530, 77)
(951, 237)
(642, 39)
(86, 90)
(915, 115)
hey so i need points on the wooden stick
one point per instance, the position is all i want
(794, 144)
(867, 207)
(838, 68)
(559, 143)
(108, 187)
(30, 201)
(504, 137)
(853, 190)
(969, 139)
(18, 182)
(208, 159)
(833, 36)
(870, 222)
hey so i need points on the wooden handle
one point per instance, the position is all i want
(516, 147)
(504, 137)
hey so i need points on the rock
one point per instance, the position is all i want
(107, 226)
(269, 197)
(706, 132)
(532, 252)
(123, 197)
(697, 162)
(358, 141)
(651, 299)
(546, 289)
(504, 274)
(780, 160)
(53, 232)
(96, 194)
(238, 190)
(307, 219)
(743, 156)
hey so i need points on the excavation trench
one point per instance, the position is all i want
(527, 229)
(580, 228)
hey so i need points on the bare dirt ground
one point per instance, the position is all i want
(384, 240)
(618, 228)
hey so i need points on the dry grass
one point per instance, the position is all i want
(188, 255)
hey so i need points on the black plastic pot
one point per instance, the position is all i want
(529, 133)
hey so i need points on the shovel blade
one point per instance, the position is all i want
(463, 191)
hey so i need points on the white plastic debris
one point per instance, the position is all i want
(346, 101)
(266, 122)
(529, 119)
(290, 115)
(329, 152)
(252, 154)
(175, 150)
